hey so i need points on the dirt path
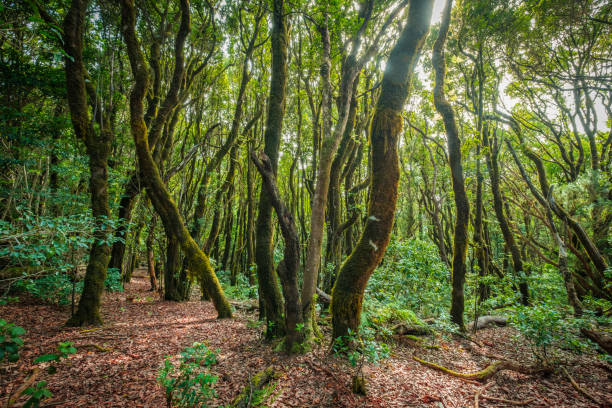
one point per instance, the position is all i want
(140, 330)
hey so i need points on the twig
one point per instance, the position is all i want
(580, 389)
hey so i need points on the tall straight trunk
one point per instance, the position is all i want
(98, 149)
(176, 284)
(229, 196)
(250, 227)
(151, 254)
(460, 240)
(333, 251)
(158, 192)
(498, 206)
(347, 295)
(269, 288)
(126, 206)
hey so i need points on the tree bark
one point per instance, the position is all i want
(347, 295)
(269, 289)
(498, 206)
(158, 192)
(288, 267)
(462, 216)
(98, 149)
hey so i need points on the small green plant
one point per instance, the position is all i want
(359, 347)
(188, 384)
(10, 340)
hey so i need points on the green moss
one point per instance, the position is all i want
(360, 385)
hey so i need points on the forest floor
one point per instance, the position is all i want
(141, 330)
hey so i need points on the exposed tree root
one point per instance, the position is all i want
(580, 389)
(489, 371)
(510, 402)
(14, 397)
(251, 394)
(603, 340)
(480, 391)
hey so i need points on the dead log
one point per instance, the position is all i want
(489, 371)
(415, 330)
(323, 297)
(488, 321)
(602, 339)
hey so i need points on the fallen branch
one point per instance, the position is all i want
(580, 389)
(511, 402)
(489, 371)
(96, 346)
(323, 297)
(417, 330)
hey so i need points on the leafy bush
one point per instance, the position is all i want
(10, 340)
(40, 254)
(547, 329)
(187, 384)
(243, 290)
(411, 278)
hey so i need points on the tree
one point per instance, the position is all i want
(347, 294)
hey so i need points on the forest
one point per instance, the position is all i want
(305, 203)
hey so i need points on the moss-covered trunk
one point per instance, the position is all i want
(176, 285)
(460, 240)
(98, 149)
(347, 295)
(288, 267)
(158, 192)
(492, 153)
(268, 284)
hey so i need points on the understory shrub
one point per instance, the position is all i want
(188, 383)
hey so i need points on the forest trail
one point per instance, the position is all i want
(140, 330)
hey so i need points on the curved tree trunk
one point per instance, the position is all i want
(493, 166)
(347, 295)
(268, 285)
(98, 149)
(158, 192)
(462, 216)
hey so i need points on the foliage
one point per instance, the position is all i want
(547, 329)
(359, 346)
(411, 278)
(188, 384)
(243, 290)
(10, 340)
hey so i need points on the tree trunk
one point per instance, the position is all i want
(498, 205)
(462, 216)
(98, 150)
(288, 267)
(347, 295)
(269, 289)
(159, 194)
